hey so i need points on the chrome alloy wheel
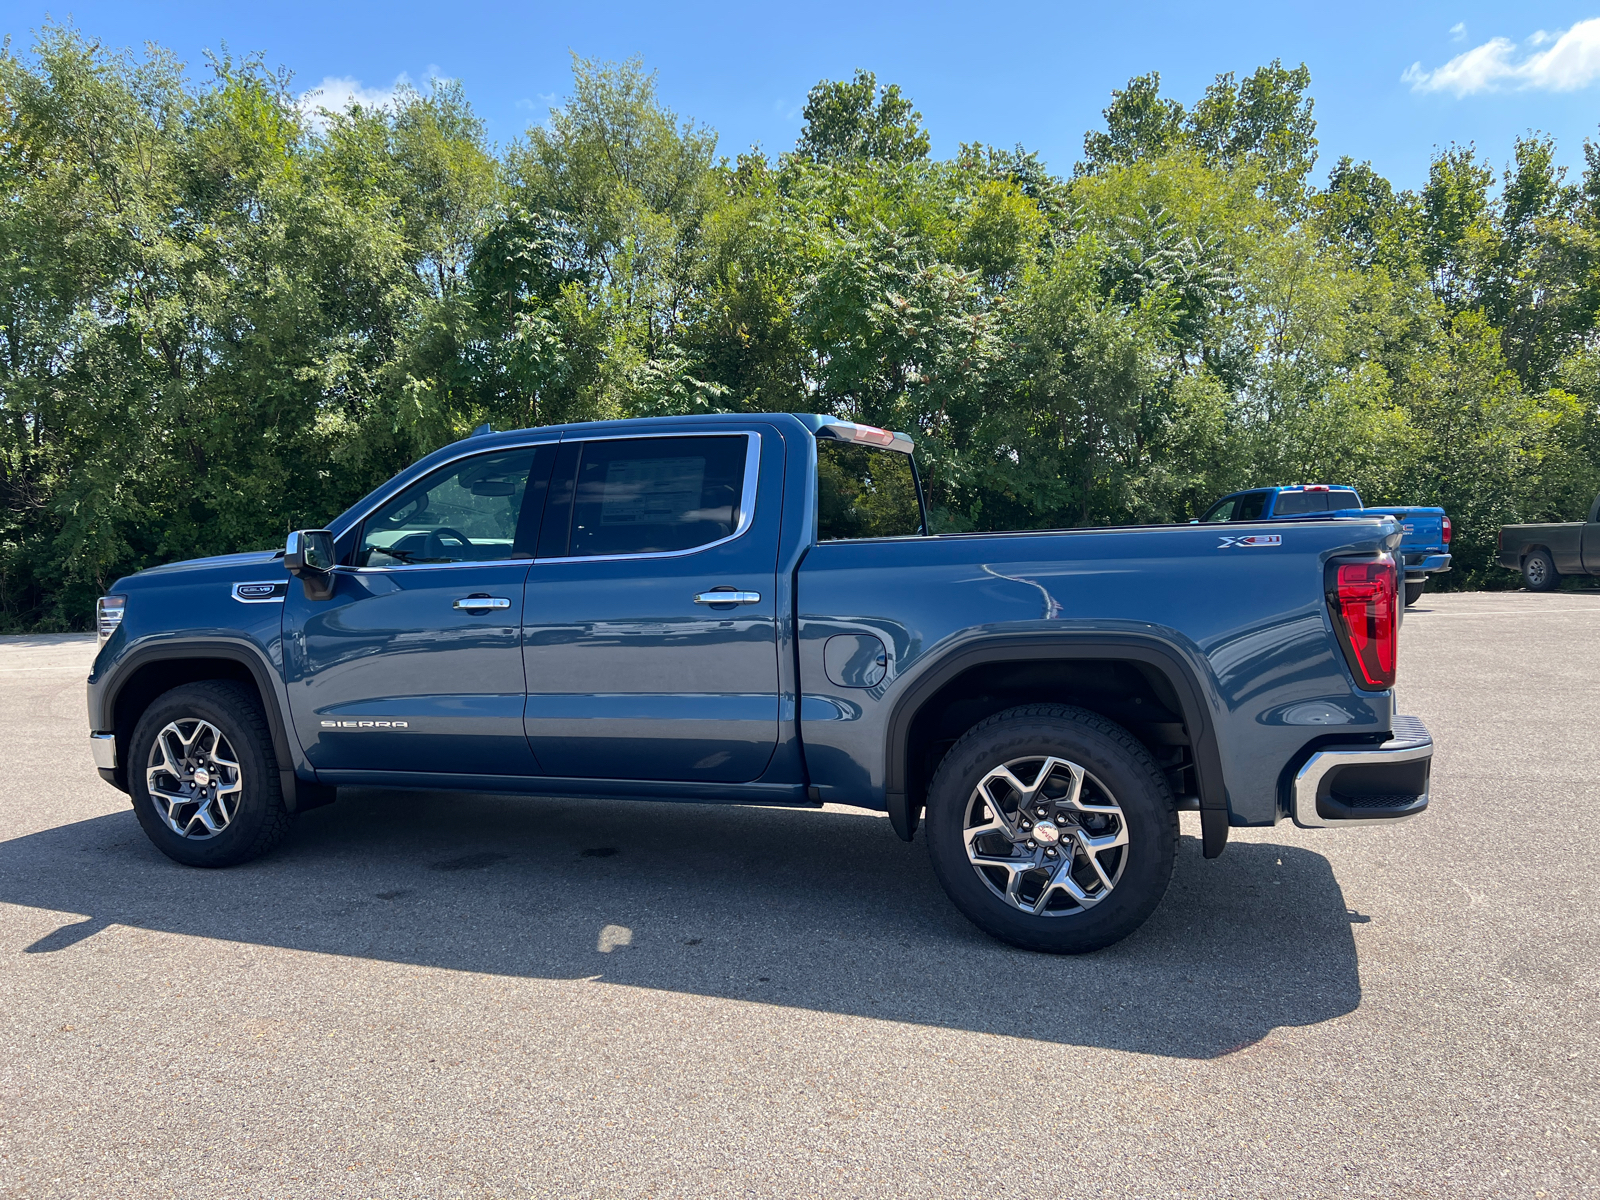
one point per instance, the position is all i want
(1535, 571)
(194, 778)
(1046, 836)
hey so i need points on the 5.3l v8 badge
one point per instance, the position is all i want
(1251, 539)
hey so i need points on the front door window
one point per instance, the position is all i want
(463, 513)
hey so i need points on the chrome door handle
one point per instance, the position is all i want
(728, 598)
(481, 603)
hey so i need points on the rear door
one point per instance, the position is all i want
(635, 668)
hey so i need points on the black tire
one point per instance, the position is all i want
(1414, 592)
(1539, 572)
(1117, 764)
(257, 819)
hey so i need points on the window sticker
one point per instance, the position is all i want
(652, 491)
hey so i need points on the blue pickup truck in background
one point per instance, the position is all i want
(1424, 532)
(750, 609)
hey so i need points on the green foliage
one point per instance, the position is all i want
(1264, 122)
(223, 316)
(859, 121)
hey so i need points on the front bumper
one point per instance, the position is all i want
(104, 748)
(1366, 785)
(1420, 566)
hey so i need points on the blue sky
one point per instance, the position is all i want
(1392, 80)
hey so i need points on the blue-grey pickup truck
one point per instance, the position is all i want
(750, 609)
(1424, 548)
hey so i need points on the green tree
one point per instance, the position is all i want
(860, 120)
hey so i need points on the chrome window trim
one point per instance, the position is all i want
(464, 562)
(747, 501)
(275, 598)
(747, 496)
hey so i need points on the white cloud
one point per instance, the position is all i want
(1458, 31)
(1571, 62)
(338, 92)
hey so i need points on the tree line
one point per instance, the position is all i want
(225, 313)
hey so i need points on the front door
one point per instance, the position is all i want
(635, 669)
(415, 663)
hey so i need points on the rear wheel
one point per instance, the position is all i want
(1052, 828)
(1414, 591)
(204, 778)
(1539, 571)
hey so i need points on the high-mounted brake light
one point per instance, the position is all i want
(869, 435)
(1317, 487)
(1447, 531)
(1363, 601)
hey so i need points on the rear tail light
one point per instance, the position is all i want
(1363, 601)
(1447, 531)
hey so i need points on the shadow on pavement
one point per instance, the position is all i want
(819, 910)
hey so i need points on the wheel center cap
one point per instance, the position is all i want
(1046, 833)
(202, 777)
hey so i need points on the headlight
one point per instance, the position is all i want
(108, 615)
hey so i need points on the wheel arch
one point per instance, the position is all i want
(1073, 659)
(151, 671)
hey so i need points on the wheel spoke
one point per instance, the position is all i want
(207, 818)
(1091, 851)
(1062, 878)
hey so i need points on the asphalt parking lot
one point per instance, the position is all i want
(437, 996)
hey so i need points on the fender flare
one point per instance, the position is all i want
(1065, 647)
(298, 793)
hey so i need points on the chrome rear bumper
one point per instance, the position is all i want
(1366, 785)
(1431, 564)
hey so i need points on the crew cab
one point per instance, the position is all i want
(1425, 532)
(750, 609)
(1545, 553)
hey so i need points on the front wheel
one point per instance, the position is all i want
(1539, 572)
(1414, 592)
(204, 778)
(1052, 828)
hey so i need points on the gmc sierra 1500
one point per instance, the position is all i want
(751, 609)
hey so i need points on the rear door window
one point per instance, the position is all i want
(1250, 507)
(647, 496)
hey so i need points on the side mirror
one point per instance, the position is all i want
(1194, 520)
(309, 558)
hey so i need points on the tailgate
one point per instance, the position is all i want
(1420, 529)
